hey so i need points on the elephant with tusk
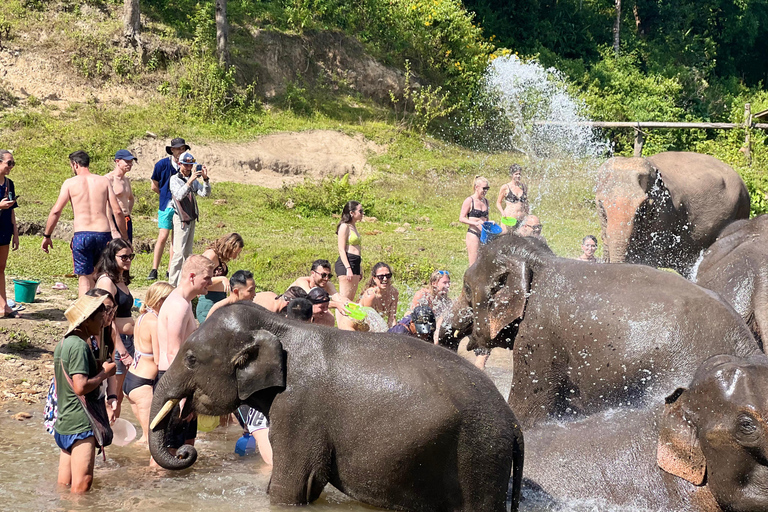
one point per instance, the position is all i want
(390, 421)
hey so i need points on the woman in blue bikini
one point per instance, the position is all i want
(474, 211)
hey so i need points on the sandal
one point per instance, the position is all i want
(12, 314)
(60, 286)
(18, 307)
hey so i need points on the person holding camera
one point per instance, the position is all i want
(184, 186)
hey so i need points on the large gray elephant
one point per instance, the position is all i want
(704, 450)
(665, 209)
(588, 336)
(736, 267)
(388, 420)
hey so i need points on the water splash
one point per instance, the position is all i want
(530, 93)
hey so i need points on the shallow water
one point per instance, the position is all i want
(220, 480)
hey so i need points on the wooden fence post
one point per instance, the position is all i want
(747, 129)
(639, 141)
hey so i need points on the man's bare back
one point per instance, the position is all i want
(269, 301)
(175, 323)
(89, 195)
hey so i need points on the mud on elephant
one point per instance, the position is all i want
(588, 336)
(704, 449)
(736, 267)
(390, 421)
(664, 210)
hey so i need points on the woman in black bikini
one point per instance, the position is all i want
(114, 269)
(515, 193)
(474, 211)
(142, 373)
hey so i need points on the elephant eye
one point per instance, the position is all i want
(190, 361)
(499, 284)
(468, 291)
(747, 425)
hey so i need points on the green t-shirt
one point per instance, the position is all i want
(77, 357)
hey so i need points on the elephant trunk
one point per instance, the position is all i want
(454, 325)
(618, 232)
(165, 415)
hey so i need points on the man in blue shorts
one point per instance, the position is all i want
(161, 176)
(91, 196)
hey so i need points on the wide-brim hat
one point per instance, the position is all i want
(82, 310)
(177, 143)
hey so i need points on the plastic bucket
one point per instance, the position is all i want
(490, 231)
(24, 290)
(509, 221)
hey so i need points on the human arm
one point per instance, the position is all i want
(341, 240)
(55, 215)
(117, 213)
(203, 189)
(15, 241)
(131, 197)
(419, 298)
(502, 193)
(368, 297)
(82, 384)
(113, 407)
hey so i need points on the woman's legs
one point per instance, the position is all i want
(473, 244)
(348, 289)
(141, 401)
(3, 261)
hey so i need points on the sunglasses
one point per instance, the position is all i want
(10, 163)
(383, 276)
(537, 227)
(323, 275)
(126, 257)
(486, 188)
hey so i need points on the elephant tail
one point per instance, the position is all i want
(516, 480)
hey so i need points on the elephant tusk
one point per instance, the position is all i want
(169, 405)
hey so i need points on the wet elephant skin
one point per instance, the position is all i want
(665, 209)
(589, 336)
(703, 450)
(389, 420)
(736, 267)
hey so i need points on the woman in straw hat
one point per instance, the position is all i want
(73, 360)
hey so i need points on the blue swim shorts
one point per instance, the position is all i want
(165, 218)
(87, 247)
(127, 340)
(65, 442)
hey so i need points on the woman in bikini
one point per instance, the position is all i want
(113, 270)
(142, 373)
(515, 194)
(348, 265)
(220, 252)
(474, 211)
(380, 294)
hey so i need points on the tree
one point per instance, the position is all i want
(222, 32)
(617, 29)
(131, 23)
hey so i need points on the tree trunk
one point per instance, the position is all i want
(617, 29)
(131, 23)
(222, 32)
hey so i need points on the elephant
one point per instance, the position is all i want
(703, 448)
(664, 210)
(389, 420)
(736, 267)
(588, 336)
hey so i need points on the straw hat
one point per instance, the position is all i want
(81, 310)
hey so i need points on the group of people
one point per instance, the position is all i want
(107, 355)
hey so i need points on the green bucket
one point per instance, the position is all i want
(24, 290)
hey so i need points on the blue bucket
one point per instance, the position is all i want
(490, 231)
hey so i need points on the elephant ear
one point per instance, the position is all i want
(259, 365)
(678, 451)
(509, 295)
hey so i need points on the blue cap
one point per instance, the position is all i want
(187, 158)
(124, 154)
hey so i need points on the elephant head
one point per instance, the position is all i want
(223, 364)
(628, 189)
(714, 433)
(497, 288)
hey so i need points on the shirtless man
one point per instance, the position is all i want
(175, 322)
(277, 303)
(121, 186)
(320, 300)
(319, 276)
(242, 287)
(90, 196)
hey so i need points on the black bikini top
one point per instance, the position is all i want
(512, 198)
(221, 270)
(478, 214)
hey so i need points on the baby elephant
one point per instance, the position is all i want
(705, 449)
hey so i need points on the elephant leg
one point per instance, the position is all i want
(295, 485)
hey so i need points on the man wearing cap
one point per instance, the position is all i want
(320, 301)
(419, 324)
(161, 175)
(91, 197)
(121, 186)
(185, 185)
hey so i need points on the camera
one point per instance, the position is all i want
(199, 167)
